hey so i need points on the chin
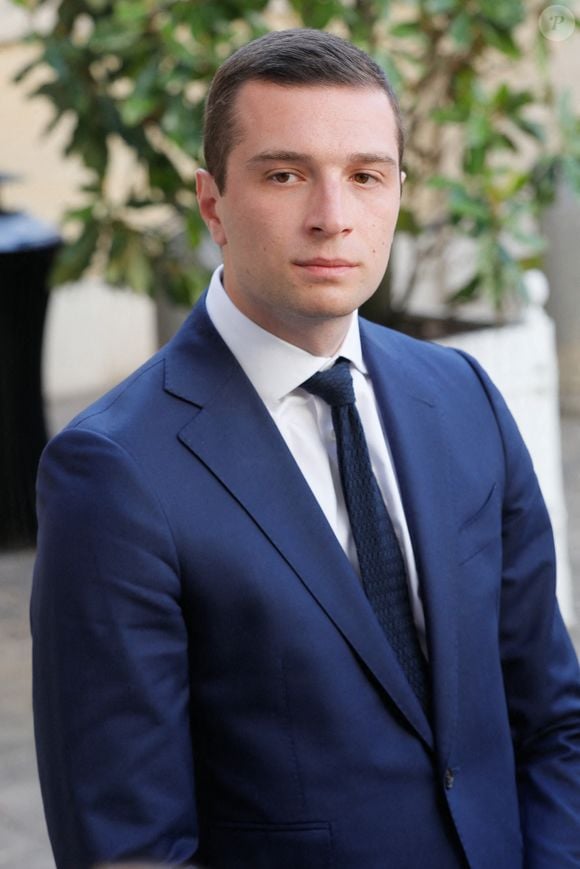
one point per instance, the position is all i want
(330, 312)
(343, 304)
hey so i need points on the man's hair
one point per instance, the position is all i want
(284, 57)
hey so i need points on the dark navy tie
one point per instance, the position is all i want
(381, 564)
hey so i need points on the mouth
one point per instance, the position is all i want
(326, 267)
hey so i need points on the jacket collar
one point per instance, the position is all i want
(412, 407)
(235, 437)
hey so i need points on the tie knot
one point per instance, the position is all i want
(333, 385)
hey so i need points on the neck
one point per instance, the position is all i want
(318, 337)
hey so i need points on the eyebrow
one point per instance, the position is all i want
(297, 157)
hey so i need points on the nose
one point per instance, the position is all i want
(328, 212)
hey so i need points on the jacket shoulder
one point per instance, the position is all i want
(442, 364)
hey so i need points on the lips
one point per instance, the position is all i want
(324, 269)
(321, 262)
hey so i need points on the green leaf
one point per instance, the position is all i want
(442, 182)
(531, 240)
(506, 15)
(466, 293)
(84, 143)
(83, 214)
(515, 183)
(544, 177)
(74, 258)
(455, 114)
(194, 228)
(138, 202)
(98, 6)
(532, 128)
(503, 142)
(474, 160)
(530, 262)
(25, 70)
(407, 222)
(571, 172)
(406, 29)
(131, 12)
(479, 130)
(318, 14)
(502, 40)
(139, 272)
(509, 101)
(461, 30)
(183, 285)
(463, 205)
(439, 7)
(109, 39)
(135, 109)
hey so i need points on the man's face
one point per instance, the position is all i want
(312, 195)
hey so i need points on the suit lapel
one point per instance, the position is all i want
(410, 407)
(234, 436)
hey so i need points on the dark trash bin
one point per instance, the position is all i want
(27, 249)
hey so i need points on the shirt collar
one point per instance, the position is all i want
(273, 366)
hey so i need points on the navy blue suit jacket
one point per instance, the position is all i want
(210, 683)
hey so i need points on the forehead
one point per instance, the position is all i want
(313, 119)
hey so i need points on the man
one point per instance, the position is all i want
(275, 627)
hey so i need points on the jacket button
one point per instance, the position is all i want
(449, 779)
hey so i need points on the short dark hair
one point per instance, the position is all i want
(287, 57)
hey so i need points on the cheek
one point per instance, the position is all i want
(381, 229)
(255, 228)
(378, 231)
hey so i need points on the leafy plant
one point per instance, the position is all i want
(133, 74)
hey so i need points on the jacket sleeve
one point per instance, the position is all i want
(110, 662)
(540, 666)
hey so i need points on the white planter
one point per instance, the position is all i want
(95, 336)
(521, 360)
(561, 226)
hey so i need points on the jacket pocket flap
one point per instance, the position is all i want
(263, 846)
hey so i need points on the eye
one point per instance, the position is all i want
(283, 178)
(365, 179)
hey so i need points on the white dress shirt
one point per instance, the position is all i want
(276, 369)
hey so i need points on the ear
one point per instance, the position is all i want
(208, 199)
(403, 176)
